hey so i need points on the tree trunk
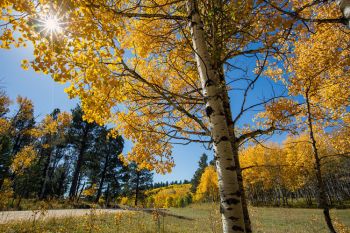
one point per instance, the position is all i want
(103, 175)
(230, 194)
(322, 197)
(2, 179)
(344, 6)
(137, 187)
(81, 191)
(80, 161)
(60, 190)
(107, 196)
(45, 175)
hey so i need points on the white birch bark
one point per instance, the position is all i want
(344, 6)
(230, 194)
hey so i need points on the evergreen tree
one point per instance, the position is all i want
(5, 158)
(105, 161)
(202, 164)
(81, 136)
(186, 182)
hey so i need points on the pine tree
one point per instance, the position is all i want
(106, 156)
(81, 137)
(202, 164)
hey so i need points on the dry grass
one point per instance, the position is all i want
(197, 218)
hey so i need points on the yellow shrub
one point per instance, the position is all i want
(124, 201)
(6, 193)
(90, 192)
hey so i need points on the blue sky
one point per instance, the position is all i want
(47, 95)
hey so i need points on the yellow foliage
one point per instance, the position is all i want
(6, 193)
(171, 196)
(23, 159)
(25, 110)
(50, 126)
(4, 103)
(124, 201)
(318, 69)
(291, 165)
(90, 192)
(4, 126)
(208, 189)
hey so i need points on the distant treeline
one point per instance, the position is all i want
(167, 183)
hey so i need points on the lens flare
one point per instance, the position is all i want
(50, 25)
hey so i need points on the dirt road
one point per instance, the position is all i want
(9, 216)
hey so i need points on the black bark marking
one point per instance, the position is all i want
(209, 110)
(231, 168)
(233, 218)
(209, 83)
(237, 228)
(232, 201)
(219, 97)
(224, 138)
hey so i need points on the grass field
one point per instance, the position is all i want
(193, 219)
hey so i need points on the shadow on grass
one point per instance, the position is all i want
(166, 213)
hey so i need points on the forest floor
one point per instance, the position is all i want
(196, 218)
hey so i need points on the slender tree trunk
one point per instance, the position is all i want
(103, 175)
(19, 202)
(45, 175)
(107, 196)
(80, 161)
(74, 187)
(137, 187)
(60, 190)
(230, 194)
(81, 191)
(322, 197)
(2, 179)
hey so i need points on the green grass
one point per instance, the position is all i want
(302, 203)
(196, 218)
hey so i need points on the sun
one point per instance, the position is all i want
(50, 25)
